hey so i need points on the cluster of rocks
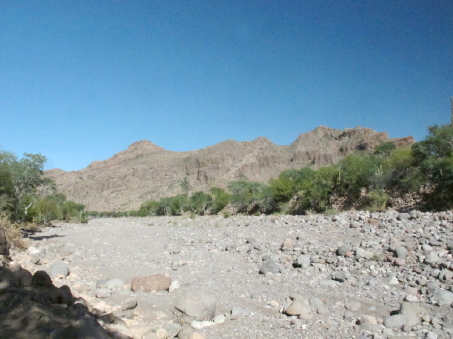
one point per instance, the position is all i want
(355, 274)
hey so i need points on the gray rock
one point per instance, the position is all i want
(339, 276)
(432, 258)
(197, 304)
(236, 310)
(342, 250)
(59, 269)
(400, 252)
(403, 216)
(102, 283)
(172, 330)
(114, 283)
(103, 293)
(129, 304)
(361, 253)
(450, 245)
(431, 335)
(442, 297)
(399, 320)
(269, 266)
(353, 306)
(303, 260)
(355, 224)
(411, 308)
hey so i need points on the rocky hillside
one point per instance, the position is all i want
(146, 171)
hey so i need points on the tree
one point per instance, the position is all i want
(27, 176)
(220, 199)
(200, 202)
(434, 158)
(384, 148)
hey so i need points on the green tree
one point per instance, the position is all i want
(434, 157)
(200, 202)
(384, 148)
(220, 199)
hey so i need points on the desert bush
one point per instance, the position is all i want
(220, 199)
(384, 148)
(199, 203)
(252, 197)
(434, 158)
(376, 200)
(13, 232)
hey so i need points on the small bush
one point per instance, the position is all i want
(13, 233)
(376, 201)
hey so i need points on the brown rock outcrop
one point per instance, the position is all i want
(145, 171)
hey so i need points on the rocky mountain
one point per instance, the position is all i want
(146, 171)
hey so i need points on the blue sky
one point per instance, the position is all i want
(82, 80)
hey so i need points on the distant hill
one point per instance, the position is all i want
(146, 171)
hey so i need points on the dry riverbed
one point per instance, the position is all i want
(352, 275)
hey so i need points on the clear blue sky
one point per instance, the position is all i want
(82, 80)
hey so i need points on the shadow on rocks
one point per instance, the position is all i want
(32, 307)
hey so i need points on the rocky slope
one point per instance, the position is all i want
(145, 171)
(352, 275)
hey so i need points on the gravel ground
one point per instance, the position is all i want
(348, 273)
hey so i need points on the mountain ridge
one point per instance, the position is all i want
(146, 171)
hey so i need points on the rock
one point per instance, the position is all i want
(432, 258)
(197, 304)
(196, 335)
(442, 297)
(400, 320)
(174, 286)
(303, 260)
(156, 282)
(400, 252)
(342, 250)
(115, 283)
(270, 266)
(59, 269)
(400, 262)
(298, 307)
(102, 283)
(61, 295)
(201, 324)
(353, 306)
(24, 276)
(219, 319)
(236, 310)
(355, 224)
(103, 293)
(129, 304)
(41, 279)
(361, 253)
(411, 308)
(172, 329)
(287, 245)
(403, 216)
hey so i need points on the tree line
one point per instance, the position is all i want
(360, 180)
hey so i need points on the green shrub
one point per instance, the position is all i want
(376, 201)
